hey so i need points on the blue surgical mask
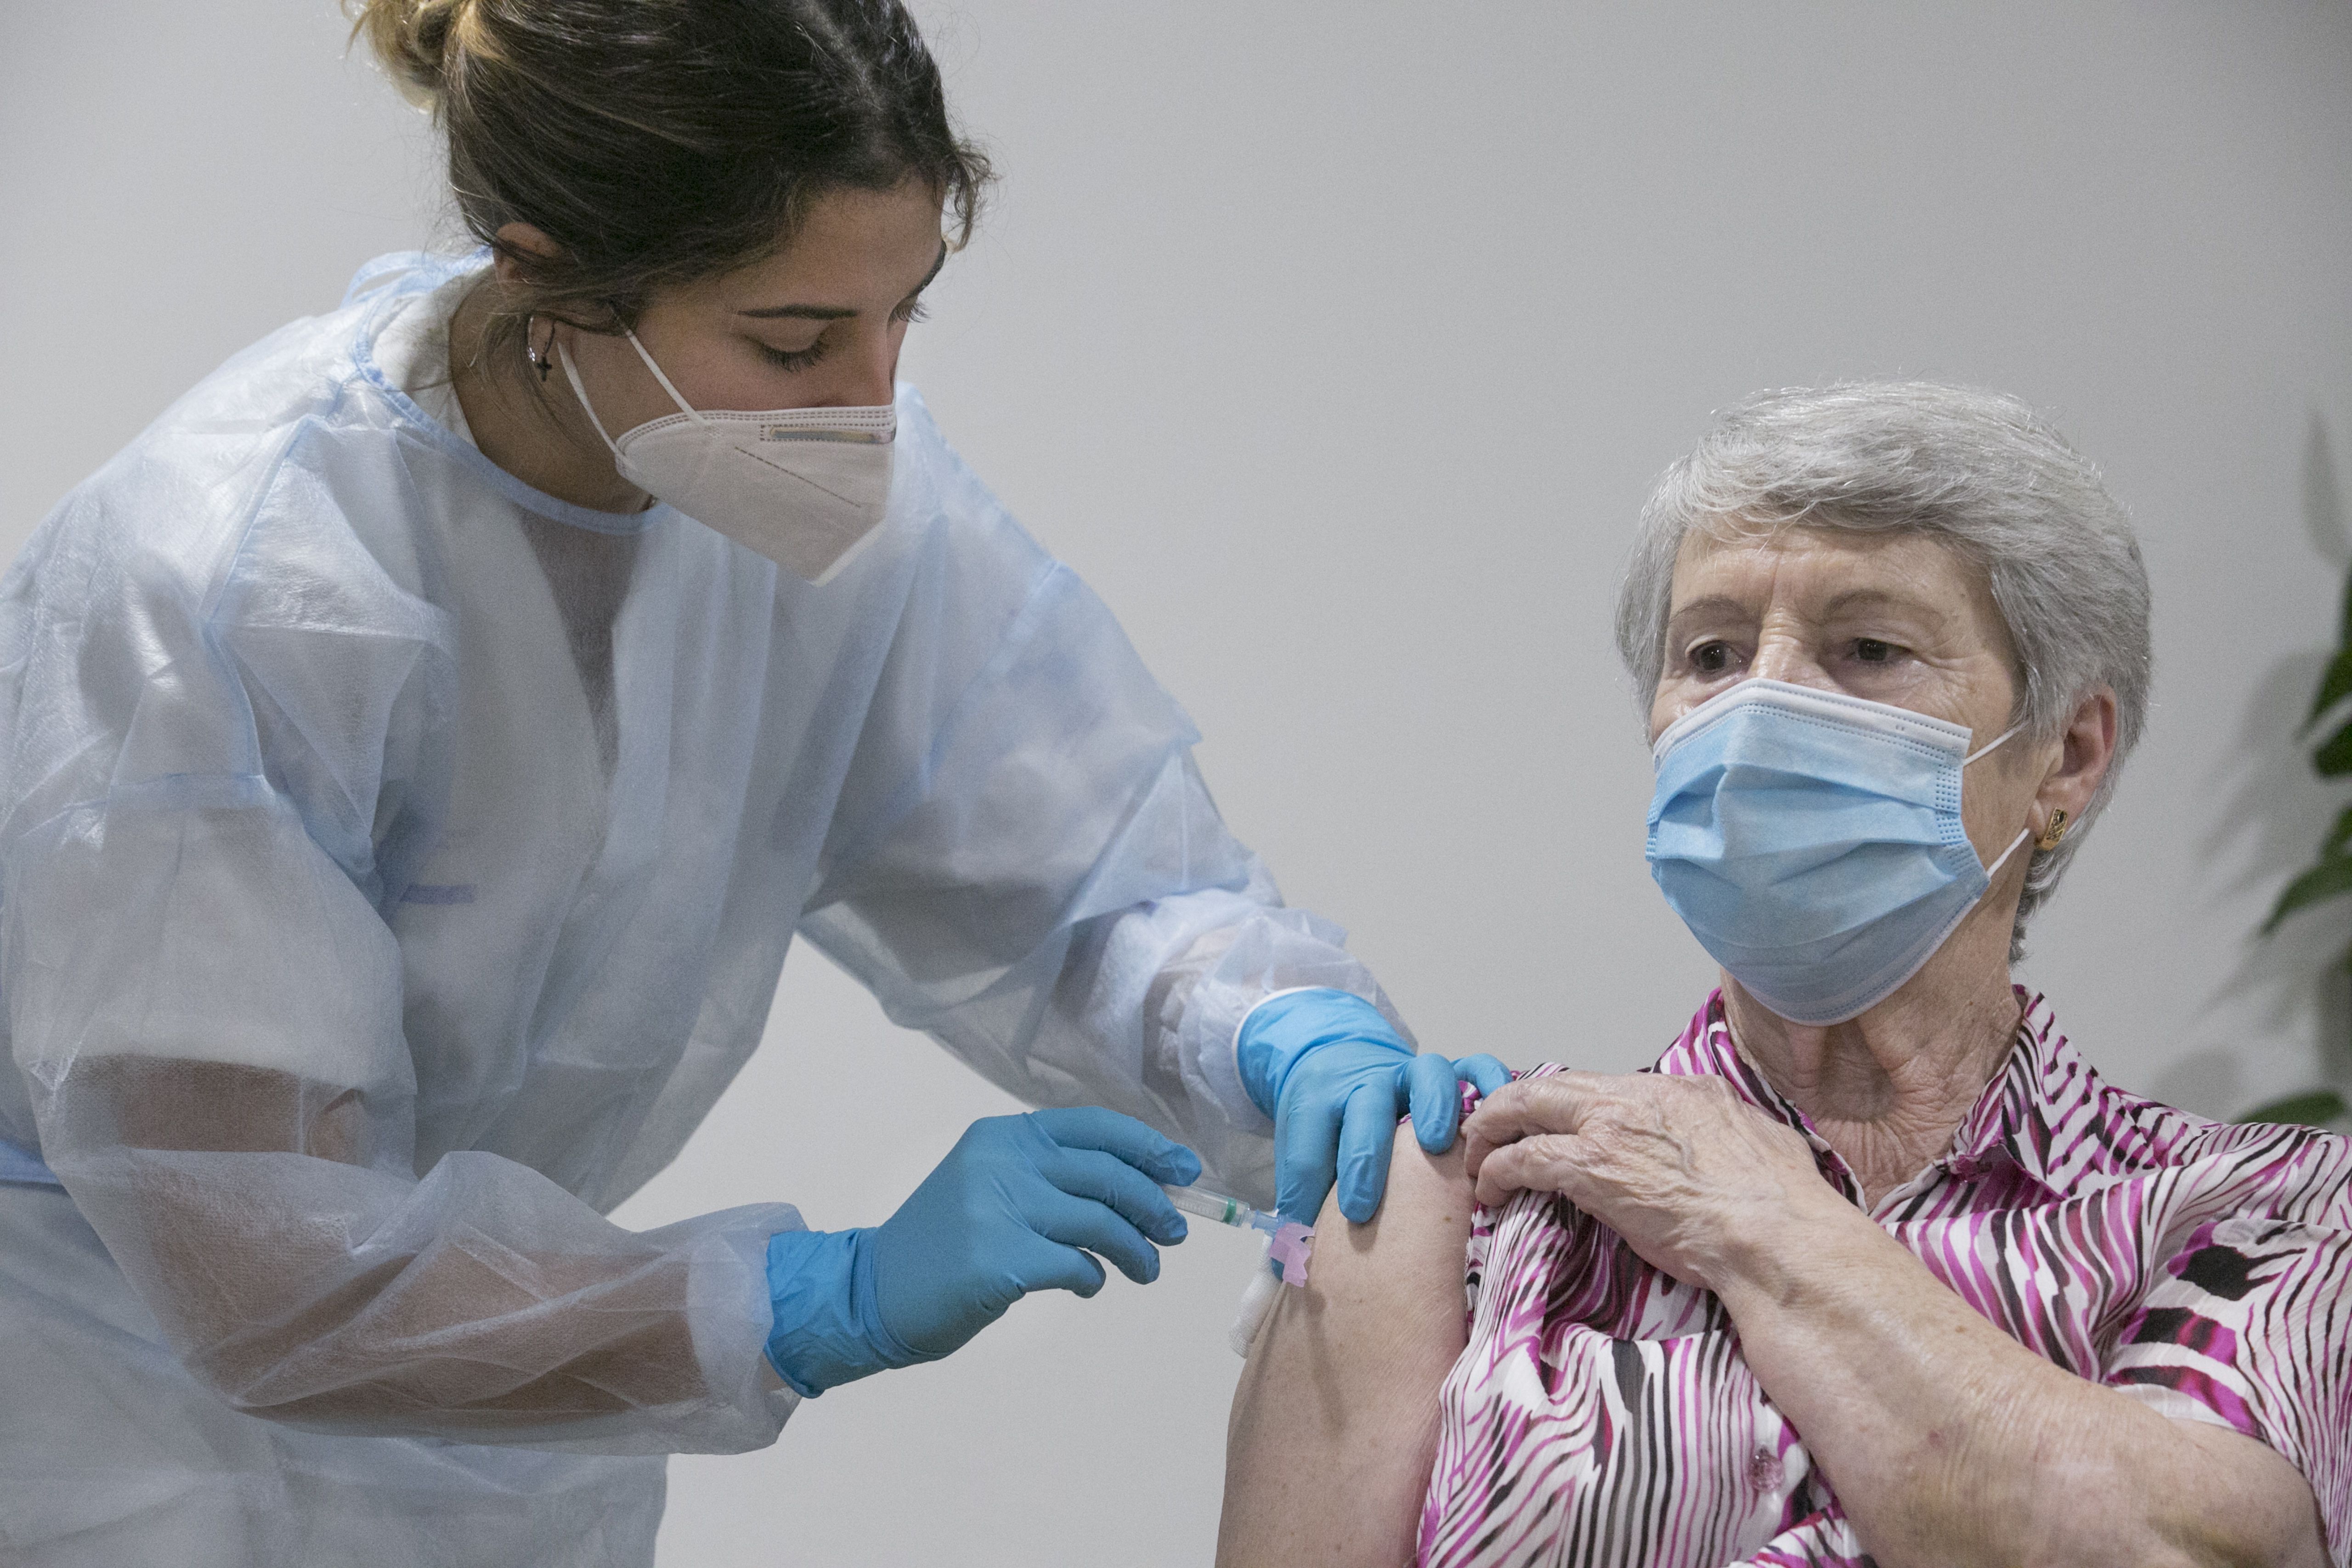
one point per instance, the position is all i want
(1813, 842)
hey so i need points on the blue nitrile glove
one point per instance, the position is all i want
(1335, 1076)
(1006, 1213)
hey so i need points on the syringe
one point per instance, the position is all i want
(1287, 1248)
(1222, 1209)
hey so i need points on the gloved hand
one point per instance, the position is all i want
(1335, 1076)
(1007, 1212)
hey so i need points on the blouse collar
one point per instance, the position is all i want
(2046, 1112)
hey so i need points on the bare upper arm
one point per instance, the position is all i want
(1334, 1425)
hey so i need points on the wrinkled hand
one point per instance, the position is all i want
(1693, 1177)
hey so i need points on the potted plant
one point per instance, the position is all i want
(2329, 875)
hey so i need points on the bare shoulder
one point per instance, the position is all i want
(1334, 1425)
(1401, 1271)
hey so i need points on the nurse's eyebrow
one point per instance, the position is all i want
(801, 313)
(840, 312)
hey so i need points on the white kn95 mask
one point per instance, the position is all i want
(803, 487)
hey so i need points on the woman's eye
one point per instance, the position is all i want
(1711, 657)
(791, 359)
(1870, 651)
(910, 312)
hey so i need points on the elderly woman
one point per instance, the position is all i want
(1872, 1267)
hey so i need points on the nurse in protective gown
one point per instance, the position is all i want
(415, 764)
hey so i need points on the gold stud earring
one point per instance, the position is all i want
(2054, 833)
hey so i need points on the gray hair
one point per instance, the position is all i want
(1978, 470)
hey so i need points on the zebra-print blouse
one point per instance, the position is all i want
(1603, 1415)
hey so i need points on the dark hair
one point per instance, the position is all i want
(659, 142)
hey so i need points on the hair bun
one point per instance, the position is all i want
(411, 39)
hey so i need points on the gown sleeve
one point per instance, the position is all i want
(1027, 864)
(204, 1003)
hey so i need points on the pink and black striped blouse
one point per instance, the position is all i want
(1603, 1415)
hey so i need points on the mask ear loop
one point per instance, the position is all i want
(683, 405)
(2023, 833)
(1989, 746)
(2058, 818)
(2002, 859)
(572, 375)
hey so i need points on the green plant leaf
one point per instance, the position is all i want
(2334, 688)
(2334, 757)
(2313, 1108)
(2330, 879)
(2338, 835)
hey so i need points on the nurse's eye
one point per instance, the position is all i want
(791, 359)
(910, 312)
(1711, 657)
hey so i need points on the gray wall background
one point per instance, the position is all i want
(1336, 345)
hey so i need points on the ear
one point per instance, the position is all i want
(2088, 750)
(514, 240)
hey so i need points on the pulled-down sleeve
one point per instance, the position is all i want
(1028, 866)
(206, 1010)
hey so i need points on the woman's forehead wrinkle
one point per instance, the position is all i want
(1815, 577)
(1726, 576)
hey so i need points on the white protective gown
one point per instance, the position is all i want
(396, 863)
